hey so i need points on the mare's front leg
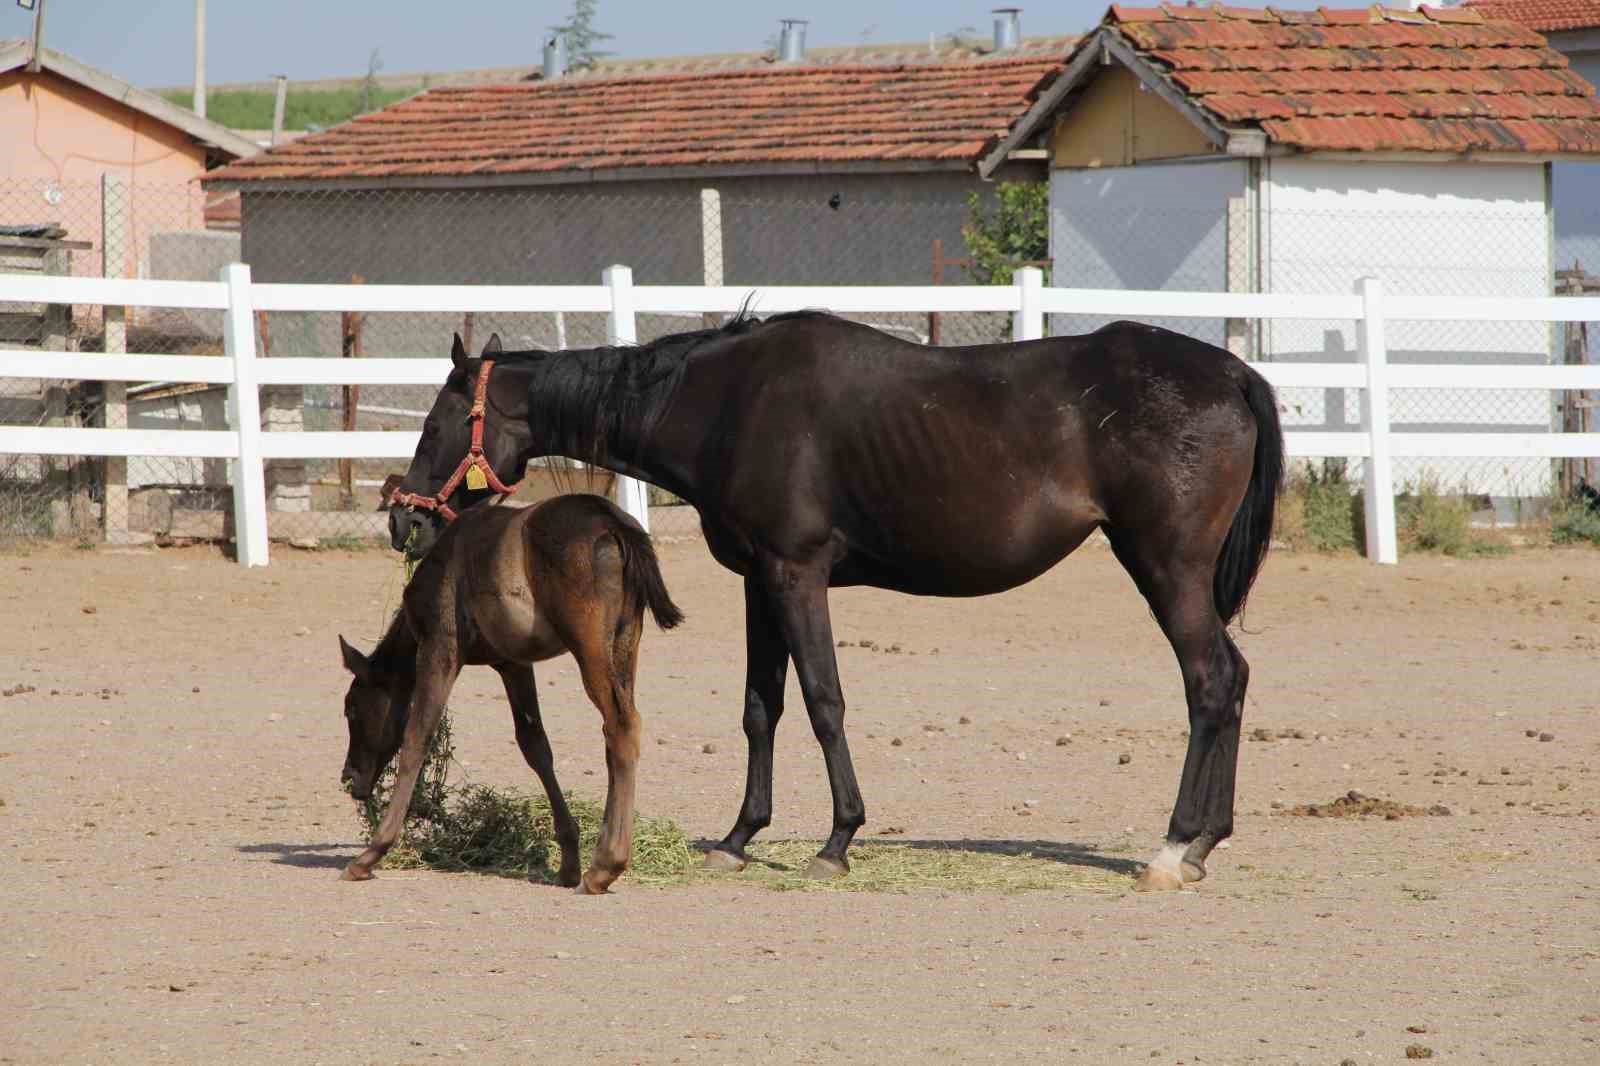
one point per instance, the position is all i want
(523, 695)
(766, 667)
(798, 594)
(436, 673)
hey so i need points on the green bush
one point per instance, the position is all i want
(1576, 521)
(1320, 510)
(1015, 232)
(1430, 521)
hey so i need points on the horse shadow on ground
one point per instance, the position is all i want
(307, 856)
(1066, 852)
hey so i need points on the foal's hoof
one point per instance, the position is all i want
(821, 869)
(723, 861)
(356, 873)
(584, 888)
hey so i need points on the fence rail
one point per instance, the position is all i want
(1027, 301)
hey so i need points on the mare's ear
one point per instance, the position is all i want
(355, 662)
(458, 353)
(493, 347)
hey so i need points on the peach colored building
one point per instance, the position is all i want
(66, 127)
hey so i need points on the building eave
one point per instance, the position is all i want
(595, 177)
(1100, 49)
(202, 130)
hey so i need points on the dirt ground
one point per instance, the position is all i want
(173, 830)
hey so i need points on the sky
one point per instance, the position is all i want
(150, 42)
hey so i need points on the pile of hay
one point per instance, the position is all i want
(509, 832)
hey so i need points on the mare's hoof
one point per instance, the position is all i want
(821, 869)
(356, 873)
(584, 888)
(723, 861)
(1158, 879)
(1192, 872)
(568, 879)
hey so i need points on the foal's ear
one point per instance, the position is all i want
(355, 662)
(493, 347)
(458, 353)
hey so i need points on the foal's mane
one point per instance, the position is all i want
(600, 402)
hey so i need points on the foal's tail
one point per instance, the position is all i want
(641, 575)
(1246, 545)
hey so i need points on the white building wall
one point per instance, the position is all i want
(1457, 230)
(1151, 226)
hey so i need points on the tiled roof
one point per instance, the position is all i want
(1546, 16)
(1369, 79)
(773, 115)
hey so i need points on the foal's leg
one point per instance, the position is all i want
(524, 697)
(766, 667)
(1214, 679)
(798, 594)
(436, 674)
(607, 666)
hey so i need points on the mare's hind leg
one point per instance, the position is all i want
(607, 666)
(436, 673)
(523, 695)
(766, 667)
(1214, 679)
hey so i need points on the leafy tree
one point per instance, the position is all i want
(581, 36)
(1016, 231)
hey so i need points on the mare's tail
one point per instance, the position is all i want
(641, 575)
(1246, 545)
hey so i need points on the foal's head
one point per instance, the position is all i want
(375, 711)
(447, 439)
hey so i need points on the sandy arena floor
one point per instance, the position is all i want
(173, 831)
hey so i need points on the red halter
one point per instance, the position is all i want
(473, 460)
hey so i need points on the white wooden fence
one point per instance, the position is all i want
(1028, 301)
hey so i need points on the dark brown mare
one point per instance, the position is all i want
(508, 587)
(820, 452)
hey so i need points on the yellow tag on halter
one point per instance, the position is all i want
(475, 478)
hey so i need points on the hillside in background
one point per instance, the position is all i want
(251, 109)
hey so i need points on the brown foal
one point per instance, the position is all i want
(508, 587)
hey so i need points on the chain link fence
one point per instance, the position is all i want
(1458, 256)
(820, 232)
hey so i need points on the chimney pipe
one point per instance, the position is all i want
(792, 41)
(1007, 29)
(555, 58)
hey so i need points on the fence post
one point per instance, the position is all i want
(115, 236)
(1381, 539)
(244, 414)
(711, 246)
(622, 329)
(1028, 322)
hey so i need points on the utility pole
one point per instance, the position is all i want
(38, 36)
(277, 107)
(200, 58)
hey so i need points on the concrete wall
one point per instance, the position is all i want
(1156, 226)
(1454, 230)
(774, 230)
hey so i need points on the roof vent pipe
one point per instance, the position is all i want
(792, 41)
(555, 58)
(1007, 29)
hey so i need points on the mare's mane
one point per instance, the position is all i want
(603, 402)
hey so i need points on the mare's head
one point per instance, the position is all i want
(447, 440)
(375, 712)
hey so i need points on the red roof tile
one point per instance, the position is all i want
(1370, 79)
(1546, 16)
(826, 114)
